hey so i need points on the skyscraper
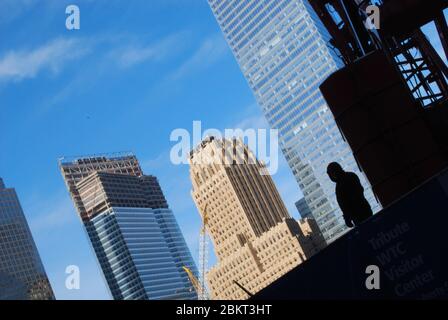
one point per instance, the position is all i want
(281, 47)
(303, 209)
(255, 239)
(22, 275)
(134, 234)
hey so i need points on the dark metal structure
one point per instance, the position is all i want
(390, 100)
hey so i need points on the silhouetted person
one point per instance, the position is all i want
(350, 195)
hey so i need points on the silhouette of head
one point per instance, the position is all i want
(335, 171)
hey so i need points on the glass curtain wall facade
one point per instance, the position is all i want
(135, 236)
(22, 275)
(281, 48)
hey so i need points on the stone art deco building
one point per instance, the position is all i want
(282, 49)
(22, 275)
(134, 234)
(255, 239)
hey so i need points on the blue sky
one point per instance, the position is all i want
(135, 71)
(123, 82)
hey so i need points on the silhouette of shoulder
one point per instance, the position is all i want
(354, 180)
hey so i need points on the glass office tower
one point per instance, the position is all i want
(22, 275)
(303, 209)
(135, 236)
(281, 47)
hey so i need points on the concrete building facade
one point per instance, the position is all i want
(255, 239)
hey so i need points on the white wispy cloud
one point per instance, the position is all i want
(23, 64)
(116, 53)
(159, 50)
(211, 50)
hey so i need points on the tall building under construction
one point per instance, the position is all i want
(134, 234)
(255, 239)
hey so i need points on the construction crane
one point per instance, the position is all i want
(194, 281)
(203, 256)
(200, 285)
